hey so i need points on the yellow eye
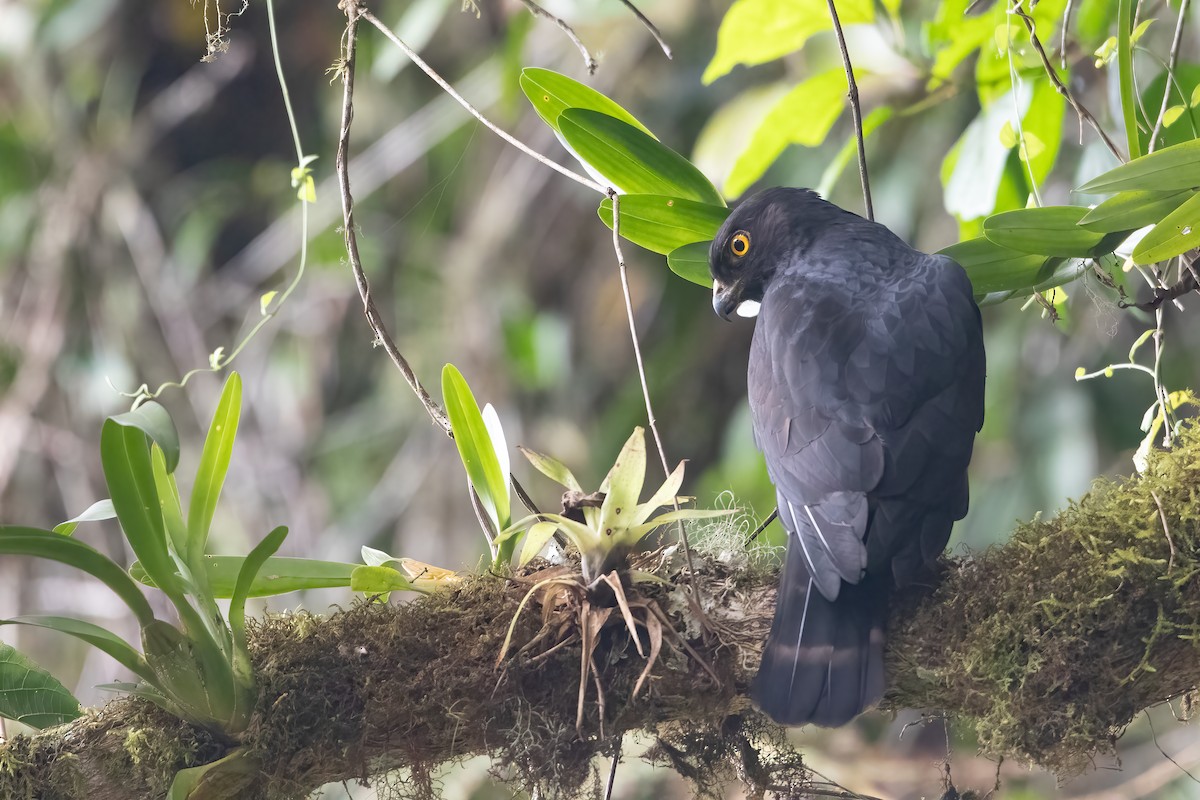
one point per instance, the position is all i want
(740, 243)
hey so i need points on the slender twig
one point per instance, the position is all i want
(1080, 110)
(588, 62)
(1162, 515)
(855, 110)
(658, 37)
(1172, 60)
(353, 13)
(612, 770)
(641, 369)
(763, 525)
(442, 82)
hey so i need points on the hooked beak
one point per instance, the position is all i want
(725, 299)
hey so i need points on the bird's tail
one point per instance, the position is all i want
(823, 662)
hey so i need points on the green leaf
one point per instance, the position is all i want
(804, 117)
(1128, 92)
(277, 575)
(253, 564)
(225, 777)
(535, 540)
(475, 447)
(30, 694)
(552, 468)
(1171, 169)
(993, 268)
(1042, 126)
(97, 511)
(623, 485)
(1128, 211)
(1177, 233)
(758, 31)
(214, 463)
(552, 93)
(690, 262)
(584, 538)
(638, 532)
(153, 420)
(168, 500)
(185, 672)
(379, 580)
(1172, 115)
(100, 638)
(125, 457)
(19, 541)
(663, 224)
(1048, 231)
(665, 495)
(631, 160)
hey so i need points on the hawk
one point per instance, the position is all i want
(865, 384)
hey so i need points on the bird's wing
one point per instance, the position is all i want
(854, 391)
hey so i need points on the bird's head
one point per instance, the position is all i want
(756, 238)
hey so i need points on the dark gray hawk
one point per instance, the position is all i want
(866, 390)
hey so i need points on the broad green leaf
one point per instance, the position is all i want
(125, 456)
(1042, 126)
(1048, 231)
(632, 161)
(153, 420)
(1128, 211)
(225, 777)
(623, 485)
(1177, 233)
(758, 31)
(539, 534)
(253, 564)
(804, 117)
(19, 541)
(665, 494)
(188, 672)
(552, 468)
(97, 511)
(277, 575)
(690, 262)
(101, 638)
(727, 131)
(663, 224)
(30, 694)
(379, 580)
(1171, 169)
(475, 446)
(993, 268)
(849, 151)
(214, 463)
(552, 93)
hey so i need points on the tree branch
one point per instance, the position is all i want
(1048, 646)
(855, 110)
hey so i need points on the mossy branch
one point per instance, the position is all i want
(1047, 646)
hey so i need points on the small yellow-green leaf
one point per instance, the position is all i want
(632, 160)
(663, 224)
(1172, 114)
(552, 468)
(1177, 233)
(1008, 137)
(665, 494)
(1140, 30)
(623, 485)
(1105, 52)
(1168, 170)
(1141, 340)
(379, 580)
(264, 302)
(690, 262)
(552, 93)
(758, 31)
(1128, 211)
(1194, 102)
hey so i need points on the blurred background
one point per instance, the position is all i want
(145, 206)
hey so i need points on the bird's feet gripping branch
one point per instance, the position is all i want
(865, 384)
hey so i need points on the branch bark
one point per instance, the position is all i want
(1048, 645)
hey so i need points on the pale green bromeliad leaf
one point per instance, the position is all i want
(30, 694)
(623, 485)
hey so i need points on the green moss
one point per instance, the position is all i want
(1050, 644)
